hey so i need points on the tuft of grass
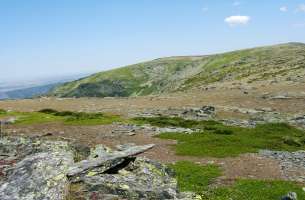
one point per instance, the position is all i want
(174, 122)
(66, 117)
(28, 118)
(254, 190)
(194, 177)
(218, 140)
(2, 111)
(92, 119)
(83, 118)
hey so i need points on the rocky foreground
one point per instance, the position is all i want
(34, 168)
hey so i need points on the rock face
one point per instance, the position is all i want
(119, 173)
(37, 169)
(41, 176)
(139, 179)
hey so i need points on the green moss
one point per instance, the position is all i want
(194, 177)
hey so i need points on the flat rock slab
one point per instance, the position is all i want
(107, 161)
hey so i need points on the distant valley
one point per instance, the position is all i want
(33, 88)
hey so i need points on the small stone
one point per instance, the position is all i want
(290, 196)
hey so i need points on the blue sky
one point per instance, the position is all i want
(41, 38)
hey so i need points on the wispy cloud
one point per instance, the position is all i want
(205, 9)
(301, 8)
(283, 9)
(237, 20)
(299, 25)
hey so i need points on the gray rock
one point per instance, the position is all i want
(106, 161)
(40, 176)
(290, 196)
(38, 169)
(140, 179)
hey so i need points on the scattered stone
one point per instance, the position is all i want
(290, 196)
(199, 113)
(125, 130)
(289, 162)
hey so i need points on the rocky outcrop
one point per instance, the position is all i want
(34, 169)
(41, 176)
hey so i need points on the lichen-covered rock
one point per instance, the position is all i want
(34, 168)
(38, 169)
(140, 179)
(40, 176)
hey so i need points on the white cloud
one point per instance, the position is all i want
(236, 3)
(301, 8)
(205, 9)
(237, 20)
(284, 9)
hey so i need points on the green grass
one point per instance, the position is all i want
(194, 177)
(27, 118)
(218, 140)
(174, 122)
(254, 190)
(66, 117)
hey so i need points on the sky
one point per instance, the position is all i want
(42, 38)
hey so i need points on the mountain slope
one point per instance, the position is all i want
(283, 62)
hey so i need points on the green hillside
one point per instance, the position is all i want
(283, 62)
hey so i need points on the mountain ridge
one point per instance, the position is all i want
(179, 73)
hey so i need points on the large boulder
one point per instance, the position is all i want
(138, 179)
(37, 169)
(40, 176)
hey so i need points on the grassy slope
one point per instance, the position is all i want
(181, 73)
